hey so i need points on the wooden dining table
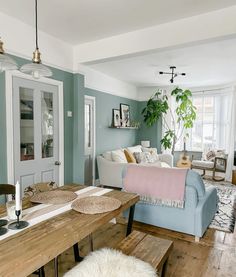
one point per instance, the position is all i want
(25, 252)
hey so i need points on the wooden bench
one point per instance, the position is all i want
(147, 248)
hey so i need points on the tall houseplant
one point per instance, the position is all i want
(182, 117)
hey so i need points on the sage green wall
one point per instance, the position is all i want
(149, 133)
(67, 79)
(106, 138)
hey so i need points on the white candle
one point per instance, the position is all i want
(17, 196)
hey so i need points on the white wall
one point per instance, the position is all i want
(19, 40)
(102, 82)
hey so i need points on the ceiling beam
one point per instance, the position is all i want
(188, 31)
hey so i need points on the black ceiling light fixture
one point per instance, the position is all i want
(172, 73)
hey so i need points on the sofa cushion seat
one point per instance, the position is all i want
(205, 164)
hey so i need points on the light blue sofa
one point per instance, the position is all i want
(199, 210)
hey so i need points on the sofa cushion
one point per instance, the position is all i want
(118, 156)
(137, 148)
(205, 164)
(129, 156)
(151, 150)
(194, 179)
(107, 155)
(145, 157)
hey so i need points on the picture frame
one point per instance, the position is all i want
(125, 115)
(116, 117)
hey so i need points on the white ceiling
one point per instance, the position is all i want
(78, 21)
(205, 65)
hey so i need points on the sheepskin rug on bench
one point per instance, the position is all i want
(111, 263)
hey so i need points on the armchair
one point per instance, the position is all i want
(219, 164)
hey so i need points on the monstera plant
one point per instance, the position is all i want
(182, 116)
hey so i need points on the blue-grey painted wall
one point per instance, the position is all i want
(106, 138)
(152, 133)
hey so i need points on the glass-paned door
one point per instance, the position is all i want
(36, 141)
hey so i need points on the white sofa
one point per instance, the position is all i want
(110, 172)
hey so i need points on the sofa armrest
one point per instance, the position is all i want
(167, 158)
(205, 211)
(110, 173)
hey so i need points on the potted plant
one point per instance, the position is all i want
(182, 117)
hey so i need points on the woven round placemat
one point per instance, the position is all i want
(95, 204)
(53, 197)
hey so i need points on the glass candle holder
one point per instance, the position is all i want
(11, 210)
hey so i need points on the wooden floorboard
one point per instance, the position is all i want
(214, 255)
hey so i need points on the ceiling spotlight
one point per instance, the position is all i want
(172, 73)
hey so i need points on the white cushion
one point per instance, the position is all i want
(166, 165)
(137, 149)
(206, 164)
(107, 155)
(111, 263)
(118, 156)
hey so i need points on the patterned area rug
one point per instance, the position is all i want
(224, 219)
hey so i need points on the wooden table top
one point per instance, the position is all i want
(34, 247)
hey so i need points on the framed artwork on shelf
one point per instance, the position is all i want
(116, 118)
(125, 115)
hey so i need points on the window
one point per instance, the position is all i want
(209, 130)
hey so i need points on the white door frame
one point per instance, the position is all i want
(93, 99)
(9, 121)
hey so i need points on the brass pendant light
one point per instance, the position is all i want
(36, 68)
(6, 62)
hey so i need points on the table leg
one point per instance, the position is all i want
(56, 267)
(91, 242)
(78, 258)
(130, 220)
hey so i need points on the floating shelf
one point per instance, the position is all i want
(128, 128)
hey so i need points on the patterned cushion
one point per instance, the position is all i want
(205, 164)
(145, 157)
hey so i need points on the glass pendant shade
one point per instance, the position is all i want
(6, 62)
(37, 70)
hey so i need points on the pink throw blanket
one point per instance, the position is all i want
(165, 186)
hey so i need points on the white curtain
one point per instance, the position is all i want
(231, 133)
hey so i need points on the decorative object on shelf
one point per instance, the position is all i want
(18, 224)
(145, 143)
(95, 204)
(135, 124)
(172, 73)
(125, 115)
(116, 117)
(6, 62)
(36, 68)
(182, 117)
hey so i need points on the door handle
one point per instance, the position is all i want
(57, 163)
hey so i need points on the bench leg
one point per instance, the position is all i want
(130, 220)
(56, 267)
(77, 257)
(163, 272)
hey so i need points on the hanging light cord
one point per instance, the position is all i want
(36, 23)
